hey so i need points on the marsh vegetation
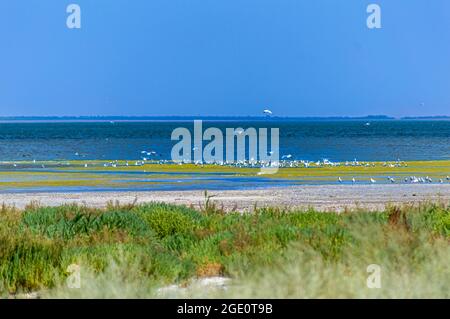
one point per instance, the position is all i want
(132, 250)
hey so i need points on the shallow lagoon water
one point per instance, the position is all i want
(22, 143)
(309, 140)
(72, 179)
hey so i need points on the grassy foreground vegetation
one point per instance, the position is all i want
(130, 251)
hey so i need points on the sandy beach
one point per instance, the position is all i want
(325, 197)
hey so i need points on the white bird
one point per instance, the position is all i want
(353, 180)
(340, 180)
(372, 180)
(85, 165)
(392, 180)
(267, 112)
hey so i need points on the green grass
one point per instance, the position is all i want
(129, 251)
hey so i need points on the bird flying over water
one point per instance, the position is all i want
(267, 112)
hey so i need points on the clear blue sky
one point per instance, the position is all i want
(225, 57)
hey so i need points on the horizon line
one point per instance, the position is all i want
(138, 117)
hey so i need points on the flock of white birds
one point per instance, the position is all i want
(286, 161)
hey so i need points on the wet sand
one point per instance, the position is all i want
(324, 197)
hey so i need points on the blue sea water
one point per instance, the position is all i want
(340, 140)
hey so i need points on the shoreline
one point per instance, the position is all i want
(319, 197)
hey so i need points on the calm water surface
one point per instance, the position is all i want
(308, 140)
